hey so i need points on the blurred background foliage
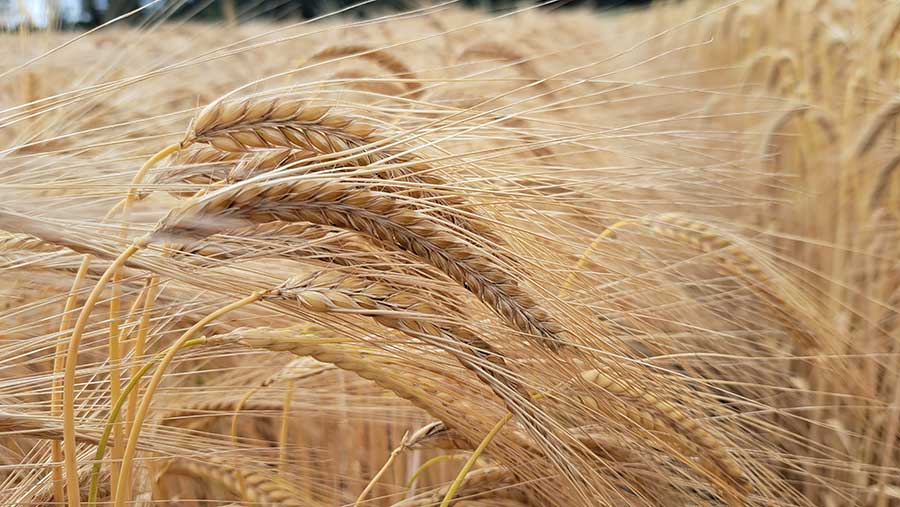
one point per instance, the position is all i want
(15, 14)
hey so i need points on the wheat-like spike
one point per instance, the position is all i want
(413, 181)
(691, 430)
(25, 243)
(311, 242)
(242, 126)
(335, 292)
(217, 408)
(494, 482)
(778, 69)
(380, 57)
(259, 488)
(769, 63)
(299, 369)
(819, 118)
(496, 50)
(774, 131)
(437, 435)
(268, 161)
(881, 121)
(362, 81)
(707, 239)
(365, 362)
(727, 24)
(381, 217)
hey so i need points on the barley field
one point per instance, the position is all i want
(452, 256)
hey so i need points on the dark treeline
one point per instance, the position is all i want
(209, 10)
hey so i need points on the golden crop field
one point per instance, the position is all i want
(447, 256)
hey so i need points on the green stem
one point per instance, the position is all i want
(457, 483)
(114, 416)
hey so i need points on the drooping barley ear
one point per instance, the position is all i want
(260, 488)
(245, 125)
(825, 123)
(380, 216)
(379, 57)
(707, 239)
(683, 431)
(496, 50)
(343, 353)
(361, 80)
(437, 435)
(335, 292)
(10, 242)
(191, 413)
(771, 64)
(239, 126)
(813, 40)
(782, 66)
(756, 66)
(303, 240)
(884, 118)
(30, 88)
(777, 126)
(883, 182)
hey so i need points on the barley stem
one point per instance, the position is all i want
(144, 408)
(458, 481)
